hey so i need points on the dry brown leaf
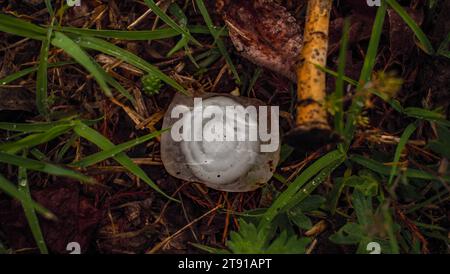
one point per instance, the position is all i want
(265, 33)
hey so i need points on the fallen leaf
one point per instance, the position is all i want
(265, 33)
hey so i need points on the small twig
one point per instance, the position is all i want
(187, 217)
(171, 237)
(312, 247)
(413, 229)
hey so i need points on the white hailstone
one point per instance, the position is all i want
(233, 166)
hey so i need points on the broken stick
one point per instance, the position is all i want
(311, 117)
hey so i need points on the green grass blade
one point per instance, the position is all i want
(208, 58)
(64, 42)
(133, 35)
(22, 24)
(41, 81)
(335, 74)
(178, 12)
(111, 49)
(103, 143)
(21, 27)
(386, 170)
(42, 126)
(389, 224)
(32, 127)
(398, 151)
(169, 21)
(285, 152)
(48, 4)
(74, 50)
(335, 194)
(285, 198)
(11, 190)
(30, 214)
(105, 154)
(371, 55)
(425, 42)
(425, 114)
(254, 79)
(12, 77)
(395, 104)
(64, 149)
(139, 35)
(366, 72)
(215, 33)
(444, 47)
(179, 45)
(313, 184)
(42, 167)
(34, 139)
(39, 155)
(339, 93)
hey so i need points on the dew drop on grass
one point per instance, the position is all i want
(23, 182)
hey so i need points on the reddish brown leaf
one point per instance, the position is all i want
(265, 33)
